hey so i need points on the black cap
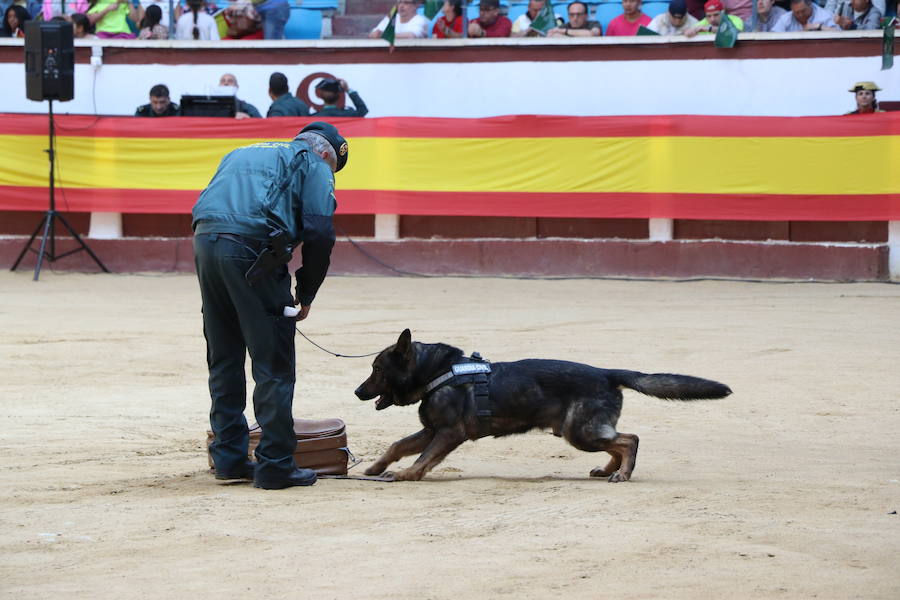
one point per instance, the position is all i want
(330, 133)
(329, 85)
(677, 8)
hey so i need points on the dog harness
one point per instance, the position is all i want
(476, 372)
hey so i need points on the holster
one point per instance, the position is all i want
(276, 252)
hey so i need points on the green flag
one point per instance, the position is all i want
(388, 33)
(644, 31)
(545, 19)
(887, 46)
(727, 34)
(432, 7)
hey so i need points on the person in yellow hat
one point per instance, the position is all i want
(865, 98)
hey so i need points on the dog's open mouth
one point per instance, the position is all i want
(383, 402)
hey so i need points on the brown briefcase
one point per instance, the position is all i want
(321, 445)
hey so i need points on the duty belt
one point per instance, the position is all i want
(478, 373)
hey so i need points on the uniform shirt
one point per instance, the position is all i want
(819, 15)
(146, 110)
(274, 185)
(287, 105)
(663, 26)
(246, 107)
(330, 110)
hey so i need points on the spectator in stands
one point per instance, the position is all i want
(805, 15)
(196, 24)
(110, 18)
(490, 23)
(14, 22)
(857, 14)
(578, 25)
(244, 23)
(767, 14)
(675, 21)
(833, 7)
(407, 25)
(166, 20)
(275, 15)
(245, 110)
(330, 90)
(710, 23)
(630, 21)
(82, 28)
(521, 27)
(160, 105)
(865, 98)
(151, 29)
(450, 25)
(284, 104)
(739, 8)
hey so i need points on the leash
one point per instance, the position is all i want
(334, 353)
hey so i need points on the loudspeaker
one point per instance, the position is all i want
(49, 61)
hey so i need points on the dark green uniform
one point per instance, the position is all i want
(246, 107)
(271, 185)
(146, 110)
(330, 110)
(287, 105)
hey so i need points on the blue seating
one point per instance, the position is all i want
(319, 4)
(304, 24)
(652, 9)
(606, 12)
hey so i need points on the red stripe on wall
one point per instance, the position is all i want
(517, 126)
(772, 207)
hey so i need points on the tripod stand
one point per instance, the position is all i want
(48, 222)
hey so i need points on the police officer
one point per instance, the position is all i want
(329, 90)
(159, 106)
(245, 110)
(260, 194)
(865, 98)
(284, 104)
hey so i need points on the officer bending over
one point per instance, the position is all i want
(263, 200)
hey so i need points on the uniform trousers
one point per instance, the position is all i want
(237, 319)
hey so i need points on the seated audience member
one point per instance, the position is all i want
(151, 29)
(275, 15)
(865, 98)
(163, 5)
(630, 21)
(160, 105)
(82, 28)
(857, 14)
(196, 24)
(330, 90)
(245, 110)
(805, 15)
(710, 23)
(490, 23)
(767, 14)
(522, 26)
(578, 25)
(450, 24)
(244, 23)
(407, 25)
(834, 6)
(675, 21)
(284, 104)
(14, 19)
(739, 8)
(110, 19)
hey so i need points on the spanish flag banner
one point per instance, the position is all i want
(687, 167)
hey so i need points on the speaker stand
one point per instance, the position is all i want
(48, 224)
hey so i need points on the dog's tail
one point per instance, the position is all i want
(669, 386)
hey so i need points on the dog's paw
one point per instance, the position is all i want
(376, 469)
(404, 475)
(600, 472)
(619, 477)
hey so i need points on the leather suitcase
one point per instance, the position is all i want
(321, 445)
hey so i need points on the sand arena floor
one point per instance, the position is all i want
(787, 489)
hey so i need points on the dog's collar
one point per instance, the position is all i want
(470, 368)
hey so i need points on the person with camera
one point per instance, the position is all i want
(330, 90)
(263, 200)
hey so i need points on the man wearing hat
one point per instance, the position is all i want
(865, 98)
(675, 21)
(284, 104)
(713, 10)
(329, 90)
(264, 200)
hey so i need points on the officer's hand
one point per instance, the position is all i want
(304, 311)
(343, 84)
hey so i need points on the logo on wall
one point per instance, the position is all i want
(312, 100)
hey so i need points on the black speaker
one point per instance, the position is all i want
(49, 61)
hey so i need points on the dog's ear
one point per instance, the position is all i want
(404, 343)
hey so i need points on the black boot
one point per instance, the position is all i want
(243, 471)
(298, 477)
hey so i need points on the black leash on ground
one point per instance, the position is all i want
(334, 353)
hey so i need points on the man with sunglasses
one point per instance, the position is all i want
(578, 25)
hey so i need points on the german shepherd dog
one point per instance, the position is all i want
(576, 401)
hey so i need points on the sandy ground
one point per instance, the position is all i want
(787, 489)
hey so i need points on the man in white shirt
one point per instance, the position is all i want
(675, 21)
(522, 26)
(408, 24)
